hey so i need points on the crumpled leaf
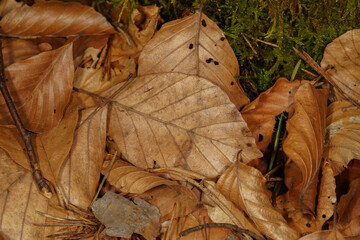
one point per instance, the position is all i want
(14, 50)
(79, 174)
(177, 120)
(260, 114)
(194, 45)
(10, 172)
(130, 179)
(51, 147)
(123, 217)
(341, 63)
(304, 144)
(41, 88)
(342, 135)
(55, 18)
(245, 186)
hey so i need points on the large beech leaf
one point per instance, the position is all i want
(41, 88)
(51, 147)
(14, 49)
(245, 186)
(79, 175)
(177, 120)
(305, 142)
(342, 135)
(341, 62)
(194, 45)
(130, 179)
(55, 18)
(18, 210)
(10, 172)
(260, 114)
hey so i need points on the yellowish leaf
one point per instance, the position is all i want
(10, 172)
(194, 45)
(342, 134)
(341, 62)
(245, 186)
(177, 120)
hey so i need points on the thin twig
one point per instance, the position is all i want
(25, 134)
(235, 229)
(262, 41)
(247, 41)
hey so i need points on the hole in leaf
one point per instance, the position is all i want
(216, 62)
(54, 111)
(248, 144)
(203, 22)
(191, 46)
(232, 83)
(209, 60)
(323, 216)
(261, 137)
(308, 225)
(222, 38)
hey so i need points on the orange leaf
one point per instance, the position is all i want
(304, 143)
(260, 114)
(41, 88)
(194, 45)
(55, 18)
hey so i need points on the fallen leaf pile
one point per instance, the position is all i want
(155, 113)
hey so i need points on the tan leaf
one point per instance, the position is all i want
(352, 229)
(51, 147)
(55, 18)
(10, 172)
(8, 5)
(245, 186)
(41, 88)
(342, 135)
(194, 45)
(177, 120)
(304, 143)
(324, 235)
(18, 208)
(130, 179)
(80, 173)
(260, 114)
(14, 49)
(341, 62)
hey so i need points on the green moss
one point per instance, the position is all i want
(304, 24)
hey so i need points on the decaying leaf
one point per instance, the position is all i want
(177, 120)
(194, 45)
(245, 186)
(80, 173)
(14, 49)
(123, 217)
(342, 135)
(304, 144)
(130, 179)
(51, 147)
(10, 172)
(41, 88)
(55, 18)
(341, 62)
(260, 114)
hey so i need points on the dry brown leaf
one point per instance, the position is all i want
(341, 62)
(260, 114)
(245, 186)
(177, 120)
(324, 235)
(10, 172)
(8, 5)
(130, 179)
(18, 208)
(349, 205)
(41, 87)
(80, 173)
(304, 144)
(194, 45)
(55, 18)
(342, 135)
(51, 147)
(14, 49)
(352, 229)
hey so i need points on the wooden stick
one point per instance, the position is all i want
(25, 134)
